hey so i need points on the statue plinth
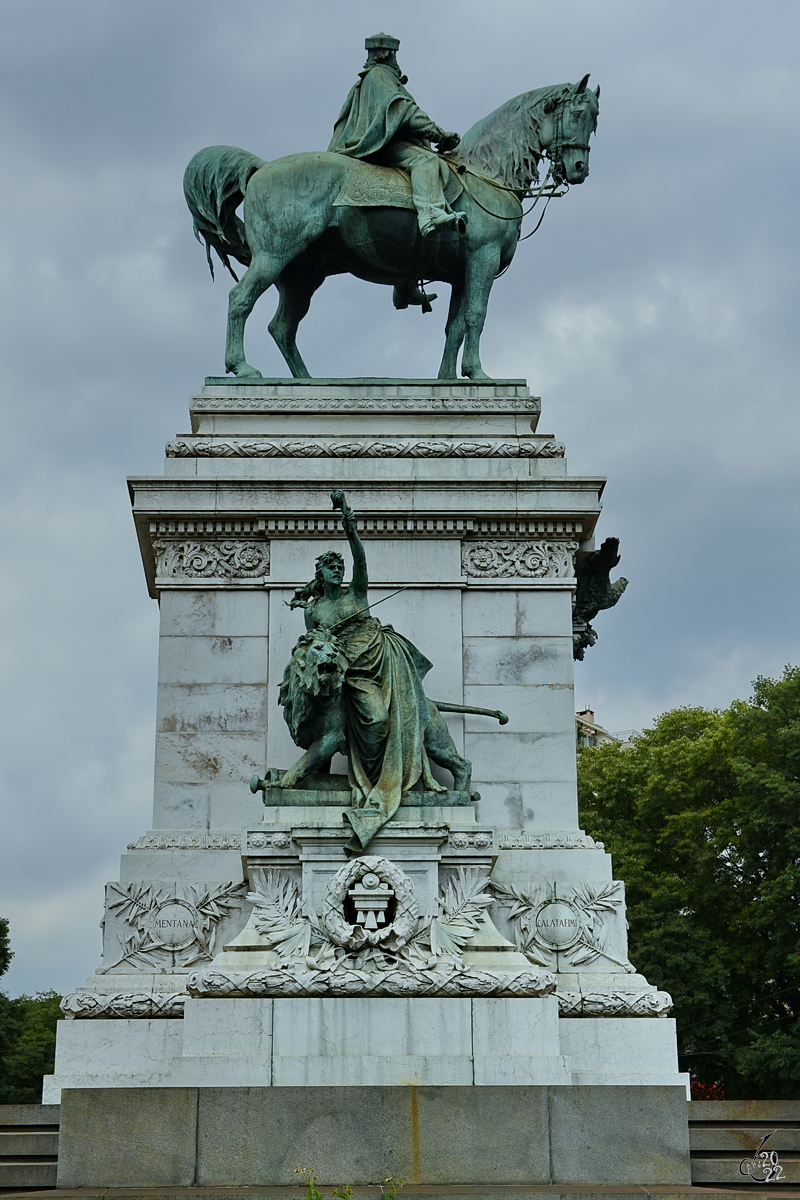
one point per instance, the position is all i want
(239, 949)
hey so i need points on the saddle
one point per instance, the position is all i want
(371, 186)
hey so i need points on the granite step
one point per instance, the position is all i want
(28, 1146)
(724, 1136)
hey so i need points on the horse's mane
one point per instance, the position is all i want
(506, 144)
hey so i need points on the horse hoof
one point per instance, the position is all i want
(244, 371)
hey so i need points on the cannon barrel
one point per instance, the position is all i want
(443, 706)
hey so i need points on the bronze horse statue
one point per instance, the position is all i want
(307, 216)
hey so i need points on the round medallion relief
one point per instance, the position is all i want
(173, 923)
(558, 924)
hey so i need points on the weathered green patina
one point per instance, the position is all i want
(355, 686)
(594, 592)
(379, 205)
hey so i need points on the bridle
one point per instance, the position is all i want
(555, 151)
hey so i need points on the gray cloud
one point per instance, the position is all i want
(655, 312)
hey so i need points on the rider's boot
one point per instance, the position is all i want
(439, 218)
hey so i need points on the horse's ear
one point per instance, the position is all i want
(597, 91)
(582, 85)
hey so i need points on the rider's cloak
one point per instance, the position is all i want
(378, 109)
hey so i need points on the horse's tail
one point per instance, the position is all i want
(214, 184)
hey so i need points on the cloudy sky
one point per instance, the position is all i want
(655, 313)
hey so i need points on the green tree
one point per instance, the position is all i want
(702, 815)
(6, 953)
(27, 1037)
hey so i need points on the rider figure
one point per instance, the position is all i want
(381, 122)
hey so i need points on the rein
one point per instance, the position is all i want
(554, 179)
(461, 169)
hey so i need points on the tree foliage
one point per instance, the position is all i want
(6, 953)
(702, 815)
(27, 1037)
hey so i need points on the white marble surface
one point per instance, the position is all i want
(388, 559)
(621, 1050)
(230, 1028)
(204, 612)
(357, 1041)
(354, 470)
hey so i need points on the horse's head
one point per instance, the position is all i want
(573, 119)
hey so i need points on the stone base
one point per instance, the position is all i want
(340, 1042)
(229, 1137)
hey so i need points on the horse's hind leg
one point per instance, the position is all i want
(296, 286)
(260, 275)
(454, 333)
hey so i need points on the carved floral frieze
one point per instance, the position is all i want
(644, 1003)
(85, 1005)
(232, 559)
(526, 560)
(363, 448)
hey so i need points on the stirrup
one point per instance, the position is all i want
(405, 294)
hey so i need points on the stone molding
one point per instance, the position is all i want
(547, 841)
(362, 448)
(480, 840)
(85, 1005)
(526, 560)
(353, 404)
(187, 841)
(170, 1005)
(614, 1004)
(229, 560)
(404, 525)
(446, 979)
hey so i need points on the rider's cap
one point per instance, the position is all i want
(382, 41)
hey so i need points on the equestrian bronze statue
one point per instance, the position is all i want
(381, 204)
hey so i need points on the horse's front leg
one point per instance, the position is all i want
(482, 268)
(454, 333)
(257, 278)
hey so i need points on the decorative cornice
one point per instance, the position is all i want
(400, 525)
(527, 560)
(348, 404)
(363, 448)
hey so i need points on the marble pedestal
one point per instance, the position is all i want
(465, 504)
